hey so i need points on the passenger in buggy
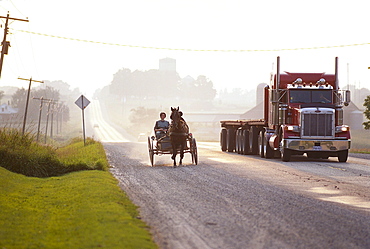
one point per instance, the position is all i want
(161, 126)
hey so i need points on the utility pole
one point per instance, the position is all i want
(39, 124)
(52, 121)
(50, 102)
(47, 121)
(5, 44)
(28, 98)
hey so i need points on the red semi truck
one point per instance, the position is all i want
(303, 114)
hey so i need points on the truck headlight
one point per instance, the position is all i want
(293, 128)
(343, 128)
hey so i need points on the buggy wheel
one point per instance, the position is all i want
(194, 151)
(151, 152)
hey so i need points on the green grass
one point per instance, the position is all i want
(21, 154)
(76, 156)
(83, 209)
(360, 141)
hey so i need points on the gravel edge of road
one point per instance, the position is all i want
(360, 155)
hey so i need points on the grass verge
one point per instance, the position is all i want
(360, 141)
(83, 209)
(21, 154)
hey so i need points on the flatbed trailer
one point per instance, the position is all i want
(241, 136)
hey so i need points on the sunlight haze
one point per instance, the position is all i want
(190, 26)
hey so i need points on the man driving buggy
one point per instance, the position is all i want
(161, 126)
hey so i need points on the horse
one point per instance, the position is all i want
(178, 132)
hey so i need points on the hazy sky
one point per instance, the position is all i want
(190, 24)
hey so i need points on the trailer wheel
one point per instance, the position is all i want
(246, 148)
(231, 140)
(253, 140)
(261, 143)
(242, 142)
(223, 139)
(343, 156)
(285, 154)
(237, 143)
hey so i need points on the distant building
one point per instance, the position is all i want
(353, 116)
(206, 126)
(187, 80)
(7, 112)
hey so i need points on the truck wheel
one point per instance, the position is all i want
(269, 152)
(223, 139)
(253, 140)
(237, 143)
(231, 140)
(261, 143)
(246, 148)
(285, 155)
(240, 151)
(343, 156)
(241, 142)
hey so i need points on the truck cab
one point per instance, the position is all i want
(310, 116)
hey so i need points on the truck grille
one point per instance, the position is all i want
(317, 124)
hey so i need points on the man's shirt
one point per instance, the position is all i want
(161, 124)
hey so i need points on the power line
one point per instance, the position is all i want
(197, 50)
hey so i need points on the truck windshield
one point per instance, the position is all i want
(310, 96)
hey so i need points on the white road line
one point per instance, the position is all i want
(104, 131)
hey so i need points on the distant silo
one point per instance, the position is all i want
(259, 97)
(353, 116)
(356, 120)
(167, 64)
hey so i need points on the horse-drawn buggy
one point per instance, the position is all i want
(177, 140)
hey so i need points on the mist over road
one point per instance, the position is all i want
(235, 201)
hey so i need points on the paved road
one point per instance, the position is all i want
(235, 201)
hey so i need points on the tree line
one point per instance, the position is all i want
(56, 98)
(157, 84)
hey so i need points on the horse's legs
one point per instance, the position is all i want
(174, 153)
(182, 151)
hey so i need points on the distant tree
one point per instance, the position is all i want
(204, 88)
(62, 87)
(367, 113)
(120, 82)
(141, 115)
(19, 98)
(151, 83)
(47, 92)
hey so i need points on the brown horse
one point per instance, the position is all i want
(178, 132)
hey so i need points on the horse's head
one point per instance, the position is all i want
(175, 115)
